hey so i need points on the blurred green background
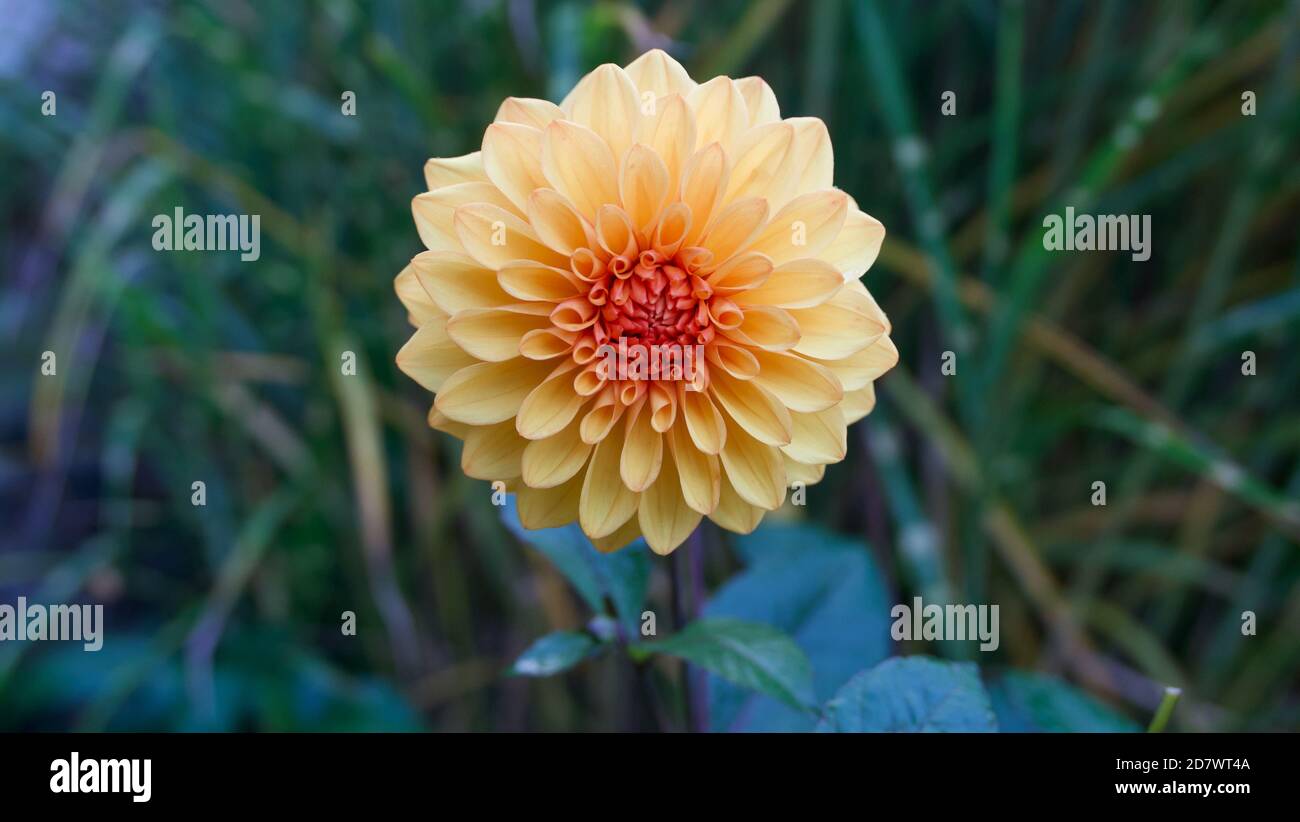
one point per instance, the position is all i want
(328, 494)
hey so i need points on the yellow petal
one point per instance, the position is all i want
(857, 404)
(665, 518)
(556, 459)
(420, 307)
(512, 160)
(643, 449)
(532, 281)
(628, 533)
(799, 472)
(835, 329)
(760, 101)
(700, 473)
(643, 186)
(435, 211)
(741, 273)
(492, 452)
(767, 327)
(456, 282)
(606, 102)
(579, 165)
(557, 222)
(615, 232)
(733, 513)
(703, 420)
(753, 468)
(439, 421)
(551, 406)
(735, 228)
(599, 421)
(763, 165)
(720, 113)
(674, 226)
(670, 133)
(855, 248)
(796, 284)
(493, 334)
(658, 72)
(546, 343)
(738, 361)
(814, 160)
(819, 437)
(754, 409)
(549, 507)
(860, 369)
(703, 181)
(804, 227)
(490, 392)
(495, 237)
(528, 111)
(606, 501)
(430, 357)
(445, 171)
(799, 384)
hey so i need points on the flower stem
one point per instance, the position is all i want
(687, 594)
(1165, 710)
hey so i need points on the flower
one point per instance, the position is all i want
(651, 210)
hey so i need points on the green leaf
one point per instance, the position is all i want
(555, 653)
(821, 589)
(623, 575)
(753, 656)
(911, 694)
(1031, 702)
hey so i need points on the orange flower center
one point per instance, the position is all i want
(648, 300)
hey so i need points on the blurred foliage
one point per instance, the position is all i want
(328, 494)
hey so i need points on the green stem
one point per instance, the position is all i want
(1166, 710)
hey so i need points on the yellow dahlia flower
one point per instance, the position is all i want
(652, 210)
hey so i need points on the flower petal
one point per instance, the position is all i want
(804, 227)
(528, 111)
(456, 282)
(796, 284)
(434, 212)
(700, 473)
(549, 507)
(657, 71)
(763, 165)
(799, 384)
(857, 404)
(664, 517)
(752, 408)
(556, 459)
(814, 159)
(606, 501)
(766, 327)
(606, 102)
(703, 180)
(579, 165)
(836, 328)
(495, 237)
(551, 406)
(420, 307)
(735, 228)
(430, 357)
(860, 369)
(643, 449)
(819, 437)
(643, 187)
(492, 452)
(493, 334)
(857, 245)
(720, 113)
(557, 222)
(754, 469)
(445, 171)
(490, 392)
(530, 281)
(703, 420)
(733, 513)
(760, 101)
(512, 160)
(670, 133)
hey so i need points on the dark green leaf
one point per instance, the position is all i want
(753, 656)
(1036, 702)
(623, 575)
(911, 694)
(554, 653)
(822, 590)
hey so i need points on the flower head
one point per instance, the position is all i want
(646, 213)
